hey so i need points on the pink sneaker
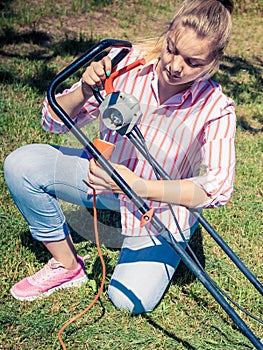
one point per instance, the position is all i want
(51, 277)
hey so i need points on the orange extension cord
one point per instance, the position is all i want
(96, 233)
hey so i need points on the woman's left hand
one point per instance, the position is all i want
(181, 192)
(100, 180)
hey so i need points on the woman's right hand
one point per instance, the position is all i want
(95, 75)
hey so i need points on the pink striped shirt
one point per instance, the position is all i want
(191, 136)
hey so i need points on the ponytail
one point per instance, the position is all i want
(228, 4)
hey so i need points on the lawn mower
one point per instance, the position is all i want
(120, 112)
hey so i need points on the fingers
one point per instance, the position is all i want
(99, 179)
(96, 175)
(97, 72)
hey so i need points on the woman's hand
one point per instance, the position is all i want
(101, 181)
(181, 192)
(96, 74)
(93, 77)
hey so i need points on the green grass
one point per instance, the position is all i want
(36, 41)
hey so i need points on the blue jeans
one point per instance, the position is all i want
(37, 175)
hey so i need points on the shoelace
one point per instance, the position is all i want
(46, 271)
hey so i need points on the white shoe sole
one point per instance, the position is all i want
(75, 283)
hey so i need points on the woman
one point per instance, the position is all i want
(189, 128)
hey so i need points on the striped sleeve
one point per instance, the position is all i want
(87, 114)
(218, 158)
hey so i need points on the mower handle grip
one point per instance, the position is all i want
(109, 81)
(80, 62)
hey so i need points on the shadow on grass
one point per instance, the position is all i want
(41, 46)
(36, 247)
(187, 345)
(236, 345)
(243, 91)
(183, 275)
(37, 46)
(171, 335)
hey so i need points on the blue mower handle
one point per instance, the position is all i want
(83, 139)
(95, 51)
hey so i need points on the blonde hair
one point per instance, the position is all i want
(210, 19)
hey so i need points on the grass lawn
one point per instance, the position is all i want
(37, 40)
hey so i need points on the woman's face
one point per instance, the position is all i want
(183, 61)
